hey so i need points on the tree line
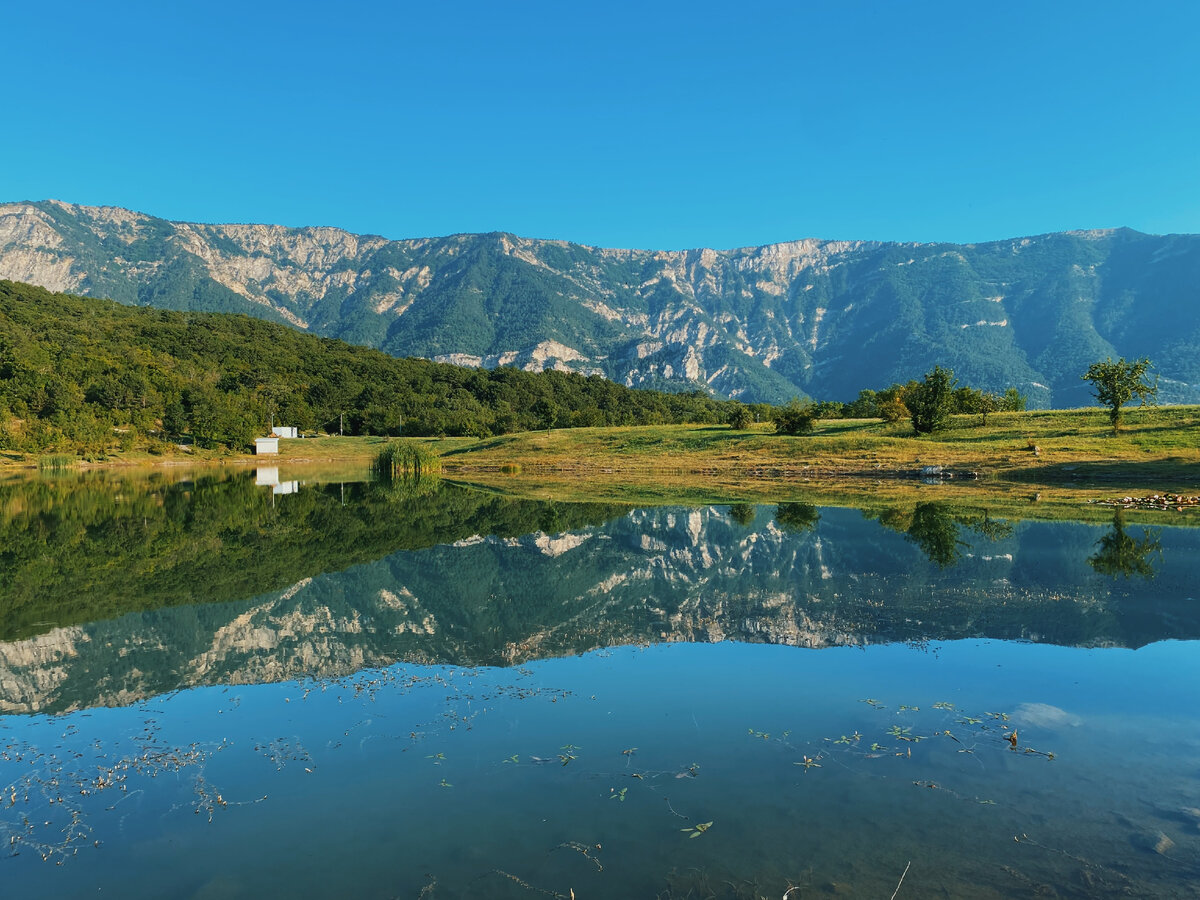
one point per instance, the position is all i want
(928, 404)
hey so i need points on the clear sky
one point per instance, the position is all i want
(657, 125)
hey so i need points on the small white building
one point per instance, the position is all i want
(285, 431)
(266, 445)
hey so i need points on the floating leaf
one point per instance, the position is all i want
(618, 795)
(697, 830)
(942, 704)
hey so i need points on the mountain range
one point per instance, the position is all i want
(810, 317)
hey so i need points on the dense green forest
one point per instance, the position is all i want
(82, 375)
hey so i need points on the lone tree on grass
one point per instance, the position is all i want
(795, 418)
(931, 402)
(740, 417)
(1116, 383)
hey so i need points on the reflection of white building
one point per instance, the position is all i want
(266, 445)
(268, 476)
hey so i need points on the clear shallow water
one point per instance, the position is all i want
(282, 745)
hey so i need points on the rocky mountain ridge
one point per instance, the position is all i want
(824, 318)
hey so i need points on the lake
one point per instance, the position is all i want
(242, 686)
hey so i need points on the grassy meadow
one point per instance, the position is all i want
(1028, 463)
(1156, 443)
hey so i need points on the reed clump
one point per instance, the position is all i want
(404, 459)
(56, 463)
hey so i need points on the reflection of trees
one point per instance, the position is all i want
(797, 517)
(1124, 555)
(934, 527)
(79, 549)
(742, 513)
(935, 531)
(405, 486)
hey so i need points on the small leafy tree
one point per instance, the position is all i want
(930, 402)
(971, 400)
(1116, 383)
(740, 417)
(1013, 401)
(795, 418)
(830, 409)
(864, 407)
(892, 409)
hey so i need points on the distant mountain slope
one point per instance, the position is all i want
(826, 318)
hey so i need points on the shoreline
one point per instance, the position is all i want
(1068, 450)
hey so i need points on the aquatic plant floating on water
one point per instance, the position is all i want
(696, 830)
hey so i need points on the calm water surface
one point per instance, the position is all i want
(213, 689)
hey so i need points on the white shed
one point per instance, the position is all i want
(266, 445)
(285, 431)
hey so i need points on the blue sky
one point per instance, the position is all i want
(658, 125)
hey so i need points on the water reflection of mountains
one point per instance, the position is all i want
(522, 581)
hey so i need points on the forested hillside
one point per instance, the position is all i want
(80, 374)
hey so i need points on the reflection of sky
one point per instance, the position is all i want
(352, 774)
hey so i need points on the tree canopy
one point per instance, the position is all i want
(931, 402)
(1116, 383)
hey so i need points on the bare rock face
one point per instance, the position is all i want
(825, 318)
